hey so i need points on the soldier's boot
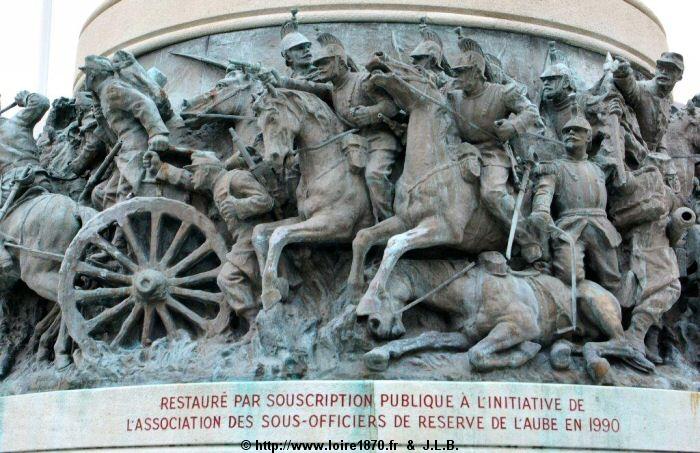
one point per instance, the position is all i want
(652, 345)
(637, 331)
(249, 316)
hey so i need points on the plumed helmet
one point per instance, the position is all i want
(330, 47)
(470, 59)
(555, 63)
(431, 46)
(672, 58)
(290, 35)
(97, 63)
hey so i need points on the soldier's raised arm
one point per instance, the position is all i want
(35, 106)
(625, 82)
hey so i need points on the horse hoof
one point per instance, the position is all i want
(61, 361)
(270, 297)
(598, 368)
(376, 360)
(560, 356)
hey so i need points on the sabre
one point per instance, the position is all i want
(97, 175)
(210, 61)
(518, 204)
(440, 287)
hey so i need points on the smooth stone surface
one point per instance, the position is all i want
(610, 418)
(624, 27)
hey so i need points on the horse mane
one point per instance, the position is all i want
(303, 104)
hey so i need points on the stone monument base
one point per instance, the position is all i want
(352, 416)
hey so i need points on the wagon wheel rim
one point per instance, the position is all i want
(157, 280)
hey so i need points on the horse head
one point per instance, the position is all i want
(404, 82)
(231, 95)
(279, 122)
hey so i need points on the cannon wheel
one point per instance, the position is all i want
(157, 275)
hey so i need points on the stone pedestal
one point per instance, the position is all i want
(380, 415)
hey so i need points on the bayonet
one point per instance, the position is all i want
(210, 61)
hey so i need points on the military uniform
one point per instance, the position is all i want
(477, 114)
(652, 108)
(574, 192)
(243, 203)
(17, 145)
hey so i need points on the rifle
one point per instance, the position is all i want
(261, 172)
(210, 61)
(99, 173)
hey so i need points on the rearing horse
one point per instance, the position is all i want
(333, 202)
(434, 205)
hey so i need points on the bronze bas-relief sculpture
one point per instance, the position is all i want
(237, 233)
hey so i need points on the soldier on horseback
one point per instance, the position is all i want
(359, 105)
(296, 49)
(488, 115)
(19, 159)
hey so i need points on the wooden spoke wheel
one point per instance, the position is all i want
(141, 270)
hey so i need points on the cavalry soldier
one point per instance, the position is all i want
(557, 88)
(243, 203)
(19, 158)
(573, 190)
(651, 99)
(487, 116)
(358, 104)
(296, 49)
(17, 145)
(428, 54)
(132, 116)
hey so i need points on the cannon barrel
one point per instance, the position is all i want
(681, 220)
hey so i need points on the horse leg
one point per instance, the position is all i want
(378, 358)
(601, 308)
(62, 347)
(318, 228)
(507, 345)
(261, 237)
(425, 235)
(47, 329)
(361, 245)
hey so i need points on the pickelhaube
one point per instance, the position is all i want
(290, 35)
(97, 63)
